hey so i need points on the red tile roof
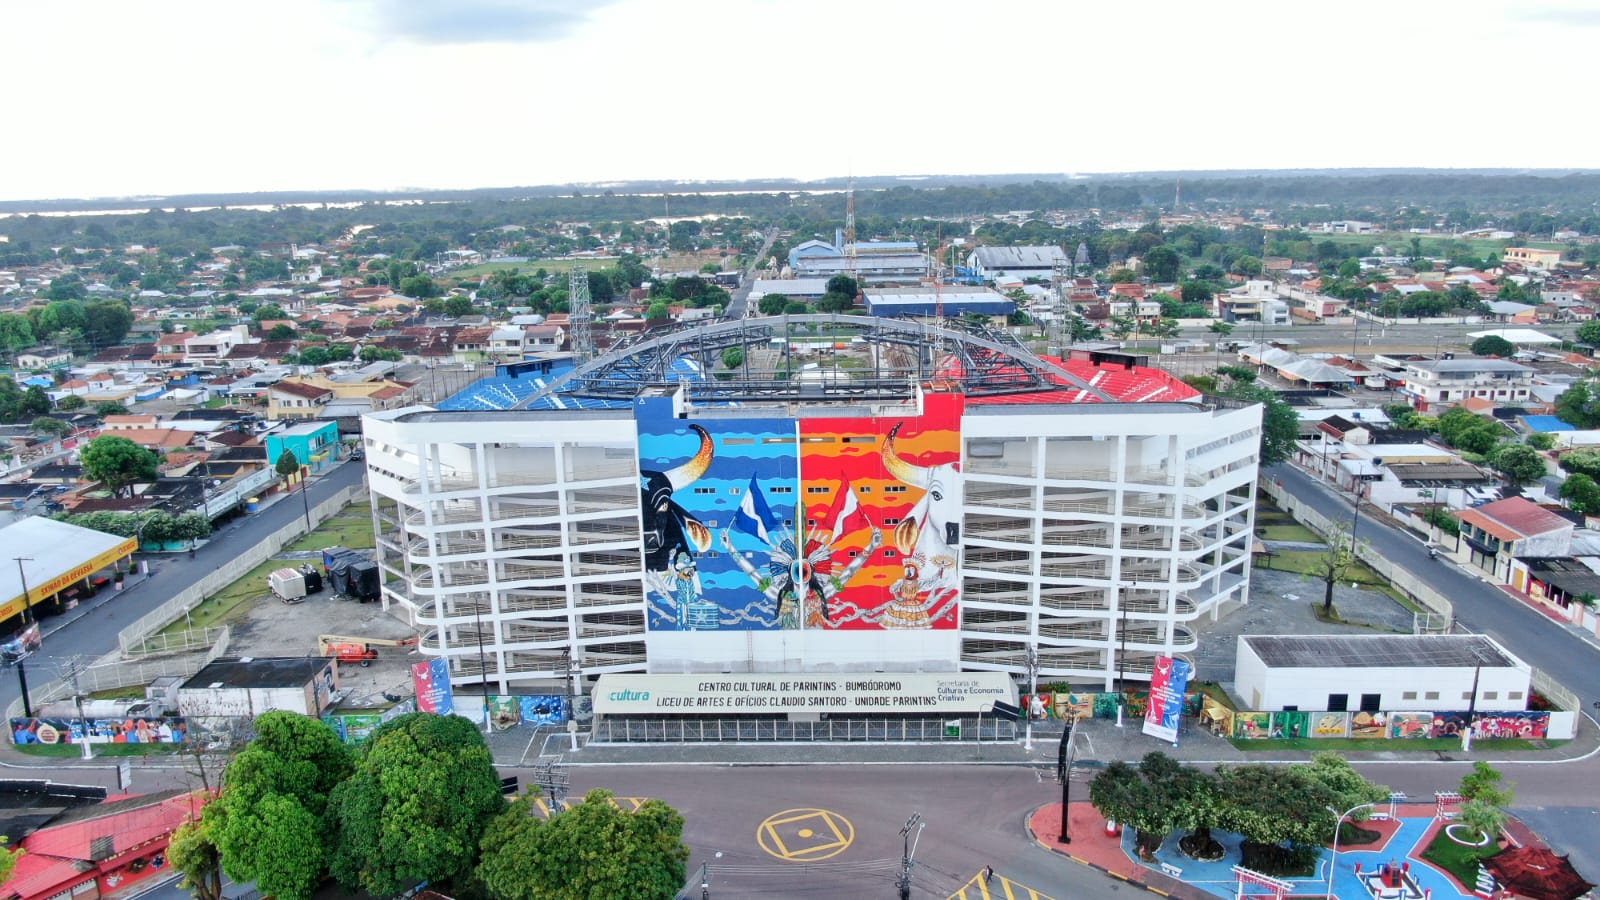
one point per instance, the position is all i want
(1513, 519)
(308, 391)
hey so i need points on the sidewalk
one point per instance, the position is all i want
(1098, 742)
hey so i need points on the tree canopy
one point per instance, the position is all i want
(1493, 345)
(1280, 424)
(1579, 405)
(118, 462)
(414, 809)
(268, 822)
(593, 849)
(1519, 464)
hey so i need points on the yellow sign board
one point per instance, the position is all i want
(51, 586)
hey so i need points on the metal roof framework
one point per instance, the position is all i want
(959, 355)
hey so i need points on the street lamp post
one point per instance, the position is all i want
(27, 601)
(305, 499)
(1333, 865)
(908, 852)
(1122, 654)
(483, 662)
(1472, 702)
(705, 877)
(1064, 757)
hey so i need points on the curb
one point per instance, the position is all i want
(1050, 847)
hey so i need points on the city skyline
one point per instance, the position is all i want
(185, 97)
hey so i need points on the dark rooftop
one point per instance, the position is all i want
(1378, 651)
(258, 672)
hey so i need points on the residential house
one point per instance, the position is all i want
(1431, 383)
(1495, 535)
(44, 359)
(1531, 258)
(290, 399)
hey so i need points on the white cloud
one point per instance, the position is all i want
(111, 98)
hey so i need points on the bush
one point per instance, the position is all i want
(1279, 861)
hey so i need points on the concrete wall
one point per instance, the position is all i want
(131, 637)
(1441, 610)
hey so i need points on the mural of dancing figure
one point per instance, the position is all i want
(799, 576)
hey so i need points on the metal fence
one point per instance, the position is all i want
(612, 730)
(124, 674)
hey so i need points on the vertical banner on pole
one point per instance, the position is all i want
(1168, 683)
(432, 682)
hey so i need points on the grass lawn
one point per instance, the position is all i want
(1462, 862)
(231, 603)
(1409, 745)
(342, 530)
(1304, 562)
(1400, 244)
(1290, 532)
(71, 751)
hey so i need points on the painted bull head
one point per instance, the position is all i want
(668, 527)
(932, 529)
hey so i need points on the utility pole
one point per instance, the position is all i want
(908, 852)
(27, 601)
(1031, 686)
(75, 667)
(552, 778)
(1064, 755)
(705, 877)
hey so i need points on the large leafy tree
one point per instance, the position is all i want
(1348, 787)
(1274, 805)
(118, 462)
(268, 822)
(193, 853)
(1493, 345)
(1519, 464)
(594, 849)
(1579, 405)
(1280, 425)
(1465, 430)
(1582, 493)
(1147, 799)
(415, 808)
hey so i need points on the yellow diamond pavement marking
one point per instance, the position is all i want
(805, 835)
(997, 888)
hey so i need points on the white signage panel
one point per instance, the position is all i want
(917, 693)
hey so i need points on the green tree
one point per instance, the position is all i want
(594, 849)
(1237, 374)
(419, 286)
(772, 304)
(1485, 784)
(458, 306)
(46, 426)
(70, 403)
(1348, 787)
(1121, 326)
(843, 284)
(1493, 345)
(1198, 292)
(193, 853)
(1519, 464)
(1331, 565)
(288, 464)
(423, 789)
(8, 862)
(118, 463)
(658, 312)
(1222, 328)
(1582, 493)
(1122, 276)
(1542, 441)
(1589, 332)
(1280, 424)
(281, 332)
(270, 311)
(268, 822)
(1121, 794)
(836, 302)
(733, 357)
(1579, 405)
(1248, 266)
(1274, 805)
(1161, 264)
(1465, 430)
(796, 308)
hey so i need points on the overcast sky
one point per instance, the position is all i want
(109, 98)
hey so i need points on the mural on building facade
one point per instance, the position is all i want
(779, 524)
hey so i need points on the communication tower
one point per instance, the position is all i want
(579, 314)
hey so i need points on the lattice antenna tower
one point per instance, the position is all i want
(1059, 332)
(850, 228)
(580, 315)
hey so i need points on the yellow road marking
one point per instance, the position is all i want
(626, 804)
(805, 835)
(980, 888)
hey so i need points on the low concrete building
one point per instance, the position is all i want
(1379, 672)
(249, 687)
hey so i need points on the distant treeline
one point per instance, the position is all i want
(1466, 199)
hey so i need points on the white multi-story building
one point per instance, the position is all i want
(936, 531)
(1449, 381)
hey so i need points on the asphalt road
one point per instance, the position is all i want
(1479, 607)
(1370, 337)
(90, 631)
(974, 817)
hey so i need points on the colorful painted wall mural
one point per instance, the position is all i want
(779, 524)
